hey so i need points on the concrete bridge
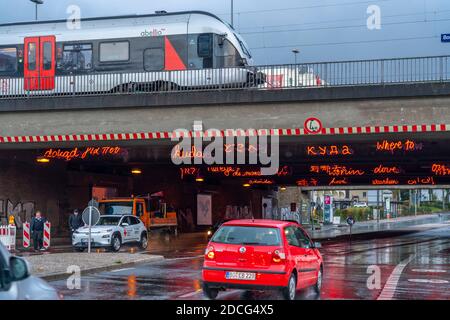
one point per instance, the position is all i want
(413, 104)
(358, 115)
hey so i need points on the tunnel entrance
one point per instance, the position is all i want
(58, 177)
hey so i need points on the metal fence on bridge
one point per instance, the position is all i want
(271, 77)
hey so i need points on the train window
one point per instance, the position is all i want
(226, 54)
(8, 59)
(47, 55)
(114, 51)
(32, 56)
(243, 47)
(153, 59)
(77, 57)
(204, 45)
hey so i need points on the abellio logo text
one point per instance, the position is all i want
(152, 33)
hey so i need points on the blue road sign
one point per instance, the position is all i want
(445, 37)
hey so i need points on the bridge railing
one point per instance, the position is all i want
(271, 77)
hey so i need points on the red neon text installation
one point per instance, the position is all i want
(228, 148)
(230, 171)
(261, 182)
(385, 182)
(386, 170)
(421, 181)
(338, 182)
(336, 171)
(76, 153)
(392, 146)
(440, 170)
(316, 151)
(307, 182)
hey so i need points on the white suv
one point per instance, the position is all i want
(112, 231)
(360, 205)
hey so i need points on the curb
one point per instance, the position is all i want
(376, 233)
(367, 235)
(63, 275)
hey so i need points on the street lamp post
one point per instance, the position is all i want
(37, 2)
(295, 52)
(232, 13)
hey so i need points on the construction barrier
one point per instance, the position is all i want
(8, 237)
(47, 229)
(26, 235)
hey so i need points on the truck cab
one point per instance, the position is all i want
(152, 210)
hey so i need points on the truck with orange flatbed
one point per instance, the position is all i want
(151, 209)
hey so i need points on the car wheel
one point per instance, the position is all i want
(116, 243)
(79, 249)
(210, 293)
(290, 291)
(318, 285)
(143, 244)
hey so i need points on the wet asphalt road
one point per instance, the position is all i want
(412, 266)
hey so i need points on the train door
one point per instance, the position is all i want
(39, 66)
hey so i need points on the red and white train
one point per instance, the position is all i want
(163, 51)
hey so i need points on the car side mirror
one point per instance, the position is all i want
(18, 269)
(317, 245)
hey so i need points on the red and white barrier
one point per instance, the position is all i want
(26, 235)
(47, 229)
(8, 237)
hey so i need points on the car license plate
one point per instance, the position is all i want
(232, 275)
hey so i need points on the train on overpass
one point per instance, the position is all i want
(124, 53)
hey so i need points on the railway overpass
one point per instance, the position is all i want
(372, 134)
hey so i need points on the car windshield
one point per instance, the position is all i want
(116, 208)
(258, 236)
(108, 221)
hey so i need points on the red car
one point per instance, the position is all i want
(261, 255)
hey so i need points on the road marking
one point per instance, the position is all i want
(435, 281)
(190, 294)
(185, 258)
(199, 291)
(391, 284)
(120, 270)
(429, 270)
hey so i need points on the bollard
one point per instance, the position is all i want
(8, 237)
(47, 229)
(26, 235)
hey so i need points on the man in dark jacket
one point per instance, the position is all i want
(75, 221)
(37, 231)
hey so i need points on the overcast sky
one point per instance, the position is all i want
(326, 30)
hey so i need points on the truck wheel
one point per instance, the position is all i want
(116, 243)
(210, 293)
(143, 244)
